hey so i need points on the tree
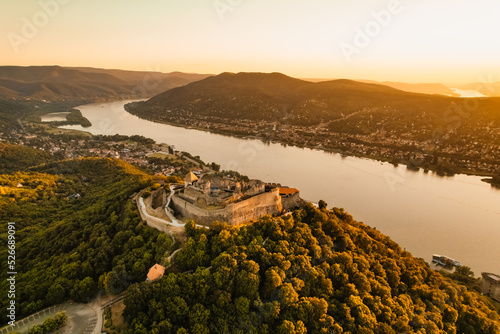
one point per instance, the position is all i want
(318, 271)
(50, 325)
(37, 330)
(61, 318)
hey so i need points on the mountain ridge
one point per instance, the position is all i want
(56, 83)
(434, 132)
(254, 95)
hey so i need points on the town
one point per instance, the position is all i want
(448, 152)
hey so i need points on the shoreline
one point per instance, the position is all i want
(326, 150)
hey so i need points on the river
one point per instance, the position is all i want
(425, 213)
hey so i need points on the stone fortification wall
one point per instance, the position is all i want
(192, 193)
(268, 203)
(255, 207)
(490, 285)
(255, 187)
(158, 198)
(291, 201)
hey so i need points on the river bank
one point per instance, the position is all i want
(423, 212)
(419, 163)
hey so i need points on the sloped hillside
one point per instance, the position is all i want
(316, 271)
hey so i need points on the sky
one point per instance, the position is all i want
(446, 41)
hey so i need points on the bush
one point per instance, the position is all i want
(36, 330)
(61, 318)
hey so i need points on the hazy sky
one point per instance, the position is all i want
(450, 41)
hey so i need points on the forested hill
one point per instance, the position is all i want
(257, 96)
(15, 158)
(316, 271)
(434, 132)
(423, 88)
(274, 97)
(55, 83)
(77, 231)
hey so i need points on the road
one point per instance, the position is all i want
(168, 211)
(155, 220)
(82, 319)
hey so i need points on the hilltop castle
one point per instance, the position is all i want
(490, 285)
(229, 200)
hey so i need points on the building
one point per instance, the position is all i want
(490, 285)
(210, 198)
(190, 179)
(289, 197)
(156, 272)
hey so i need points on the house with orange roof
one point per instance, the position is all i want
(156, 272)
(190, 179)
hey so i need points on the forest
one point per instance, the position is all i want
(77, 231)
(16, 157)
(75, 117)
(314, 271)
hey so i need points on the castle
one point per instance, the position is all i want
(229, 200)
(490, 285)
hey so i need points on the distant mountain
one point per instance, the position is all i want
(244, 95)
(57, 83)
(488, 89)
(274, 96)
(152, 81)
(422, 88)
(56, 74)
(448, 134)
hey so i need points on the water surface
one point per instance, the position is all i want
(425, 213)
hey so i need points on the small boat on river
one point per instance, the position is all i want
(445, 261)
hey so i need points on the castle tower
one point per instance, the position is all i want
(190, 179)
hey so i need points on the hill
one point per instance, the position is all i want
(259, 96)
(153, 81)
(488, 89)
(15, 158)
(436, 132)
(421, 88)
(55, 83)
(77, 231)
(277, 97)
(315, 271)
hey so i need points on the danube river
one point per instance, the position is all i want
(455, 216)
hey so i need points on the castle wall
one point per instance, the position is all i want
(201, 216)
(192, 193)
(255, 207)
(268, 203)
(255, 188)
(491, 286)
(291, 201)
(157, 198)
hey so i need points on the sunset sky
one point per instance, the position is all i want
(448, 41)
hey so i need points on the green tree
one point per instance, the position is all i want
(50, 325)
(322, 204)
